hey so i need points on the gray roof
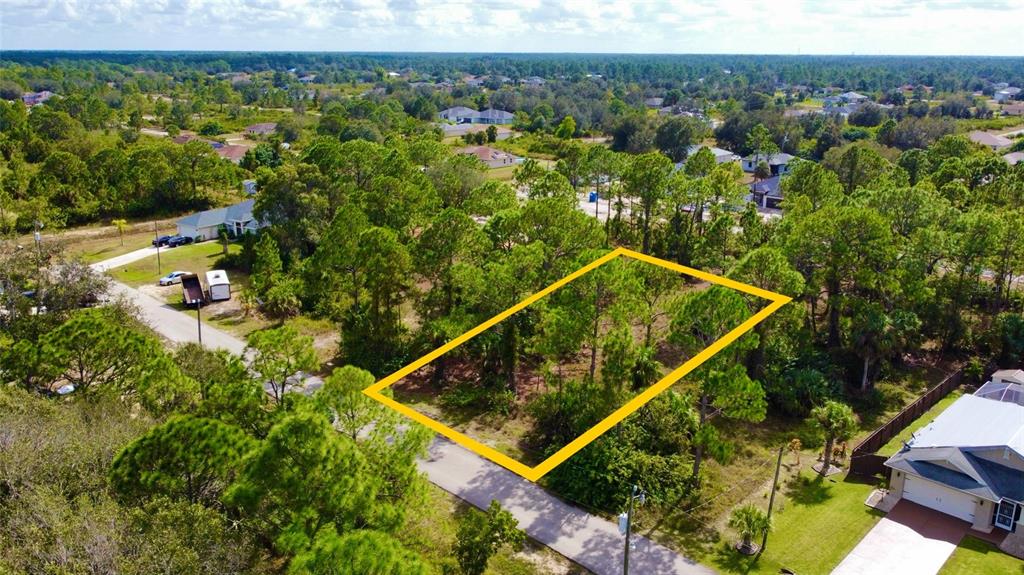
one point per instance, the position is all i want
(492, 114)
(1003, 481)
(768, 186)
(241, 212)
(717, 152)
(457, 111)
(774, 159)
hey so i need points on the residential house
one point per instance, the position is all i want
(492, 116)
(778, 163)
(853, 98)
(533, 81)
(1014, 158)
(654, 102)
(231, 152)
(991, 141)
(262, 129)
(492, 157)
(969, 461)
(1007, 94)
(36, 98)
(722, 156)
(767, 193)
(308, 79)
(236, 219)
(1000, 86)
(458, 115)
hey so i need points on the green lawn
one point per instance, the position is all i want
(196, 258)
(927, 417)
(817, 522)
(93, 250)
(976, 557)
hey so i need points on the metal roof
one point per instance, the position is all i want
(974, 421)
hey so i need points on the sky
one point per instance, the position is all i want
(935, 27)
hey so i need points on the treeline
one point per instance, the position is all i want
(59, 173)
(863, 73)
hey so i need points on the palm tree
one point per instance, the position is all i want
(838, 422)
(749, 520)
(121, 226)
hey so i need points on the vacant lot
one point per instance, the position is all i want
(559, 341)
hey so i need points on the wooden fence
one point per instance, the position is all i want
(864, 459)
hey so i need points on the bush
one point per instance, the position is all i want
(211, 128)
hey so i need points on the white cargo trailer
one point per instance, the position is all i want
(218, 285)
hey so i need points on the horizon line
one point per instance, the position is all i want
(484, 53)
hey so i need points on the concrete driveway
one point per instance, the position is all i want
(910, 540)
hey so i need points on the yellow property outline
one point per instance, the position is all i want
(538, 471)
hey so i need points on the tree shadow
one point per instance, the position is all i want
(804, 491)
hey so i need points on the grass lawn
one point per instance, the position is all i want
(817, 522)
(196, 258)
(927, 417)
(97, 249)
(502, 174)
(976, 557)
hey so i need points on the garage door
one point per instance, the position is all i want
(939, 497)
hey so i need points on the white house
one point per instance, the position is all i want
(969, 461)
(492, 116)
(853, 97)
(722, 156)
(1006, 94)
(458, 114)
(236, 219)
(464, 115)
(778, 163)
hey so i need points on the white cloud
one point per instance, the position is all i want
(663, 26)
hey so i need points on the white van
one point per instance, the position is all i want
(218, 285)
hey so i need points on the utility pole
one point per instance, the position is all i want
(39, 245)
(199, 320)
(771, 499)
(626, 523)
(156, 237)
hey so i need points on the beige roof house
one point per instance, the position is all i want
(991, 141)
(492, 157)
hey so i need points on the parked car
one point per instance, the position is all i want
(176, 241)
(172, 278)
(161, 241)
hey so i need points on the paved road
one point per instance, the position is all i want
(587, 539)
(174, 325)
